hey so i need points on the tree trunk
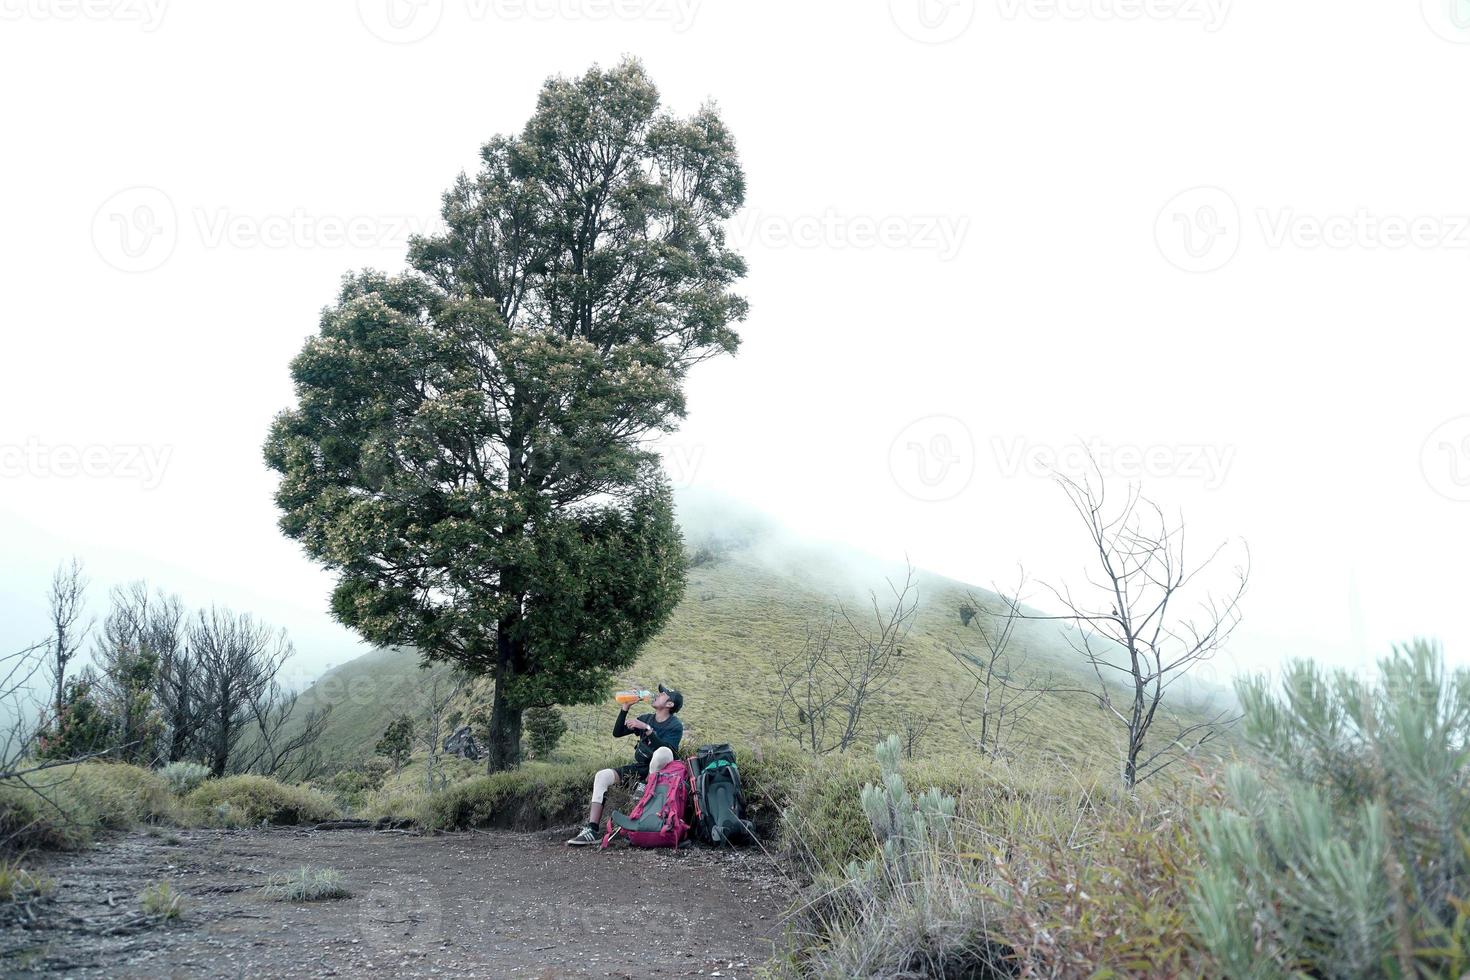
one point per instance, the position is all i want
(504, 750)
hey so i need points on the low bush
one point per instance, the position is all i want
(353, 787)
(184, 777)
(529, 798)
(1344, 853)
(67, 806)
(250, 799)
(544, 730)
(997, 869)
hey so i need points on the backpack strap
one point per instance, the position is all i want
(609, 835)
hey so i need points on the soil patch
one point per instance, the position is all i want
(499, 904)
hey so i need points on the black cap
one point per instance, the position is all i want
(674, 696)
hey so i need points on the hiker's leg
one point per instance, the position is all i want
(600, 784)
(661, 758)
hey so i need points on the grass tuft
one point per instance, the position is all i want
(306, 884)
(162, 901)
(19, 885)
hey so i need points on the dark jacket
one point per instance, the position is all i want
(665, 735)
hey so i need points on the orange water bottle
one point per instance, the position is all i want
(629, 698)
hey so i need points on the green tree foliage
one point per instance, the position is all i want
(469, 447)
(397, 742)
(1346, 854)
(544, 729)
(82, 728)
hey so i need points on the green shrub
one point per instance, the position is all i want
(184, 777)
(1113, 904)
(1345, 854)
(161, 901)
(911, 908)
(251, 799)
(306, 885)
(958, 866)
(544, 730)
(396, 745)
(82, 728)
(353, 787)
(529, 798)
(76, 802)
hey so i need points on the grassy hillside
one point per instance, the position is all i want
(749, 599)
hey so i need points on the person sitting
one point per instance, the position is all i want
(659, 733)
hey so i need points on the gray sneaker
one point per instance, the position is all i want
(587, 835)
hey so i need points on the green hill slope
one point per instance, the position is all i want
(749, 600)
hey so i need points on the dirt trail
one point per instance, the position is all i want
(495, 904)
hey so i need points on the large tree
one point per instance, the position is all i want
(470, 448)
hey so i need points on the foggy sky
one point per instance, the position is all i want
(1223, 244)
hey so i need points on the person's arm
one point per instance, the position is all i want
(620, 727)
(671, 743)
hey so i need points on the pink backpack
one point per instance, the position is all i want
(661, 817)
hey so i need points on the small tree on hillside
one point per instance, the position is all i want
(238, 660)
(440, 694)
(397, 742)
(845, 665)
(1003, 691)
(82, 729)
(1145, 620)
(544, 730)
(127, 673)
(469, 450)
(67, 600)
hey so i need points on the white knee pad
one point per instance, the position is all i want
(661, 758)
(600, 783)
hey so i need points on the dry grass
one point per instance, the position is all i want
(306, 885)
